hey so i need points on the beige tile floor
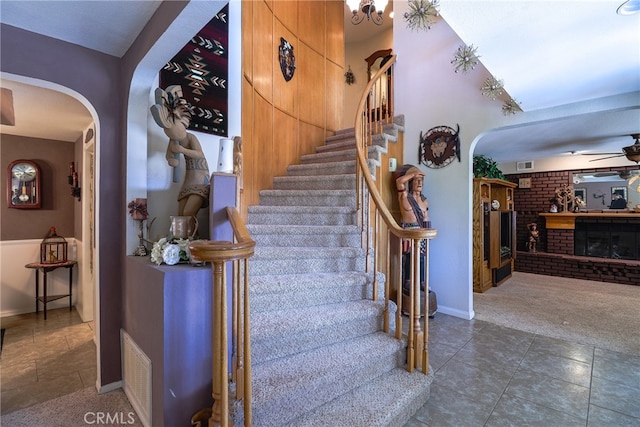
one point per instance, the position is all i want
(484, 374)
(44, 359)
(488, 375)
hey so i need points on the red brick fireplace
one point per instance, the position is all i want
(555, 249)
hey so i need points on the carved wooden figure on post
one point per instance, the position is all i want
(171, 113)
(414, 209)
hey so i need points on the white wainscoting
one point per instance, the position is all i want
(17, 283)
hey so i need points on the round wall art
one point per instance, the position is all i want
(439, 146)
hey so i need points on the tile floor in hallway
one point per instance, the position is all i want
(44, 359)
(485, 375)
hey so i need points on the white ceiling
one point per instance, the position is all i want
(547, 52)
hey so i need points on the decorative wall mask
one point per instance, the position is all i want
(287, 59)
(439, 146)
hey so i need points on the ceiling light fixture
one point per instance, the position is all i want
(422, 14)
(492, 88)
(368, 9)
(629, 7)
(511, 107)
(465, 58)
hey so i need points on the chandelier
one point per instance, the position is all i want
(370, 9)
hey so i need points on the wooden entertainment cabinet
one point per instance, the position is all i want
(494, 232)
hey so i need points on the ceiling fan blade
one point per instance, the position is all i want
(604, 158)
(600, 154)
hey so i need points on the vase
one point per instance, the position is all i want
(183, 227)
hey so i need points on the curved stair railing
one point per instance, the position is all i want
(219, 253)
(374, 215)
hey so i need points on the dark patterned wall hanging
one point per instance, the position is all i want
(439, 146)
(287, 59)
(201, 69)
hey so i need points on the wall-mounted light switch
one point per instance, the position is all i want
(392, 164)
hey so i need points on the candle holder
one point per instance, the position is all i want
(138, 211)
(73, 181)
(141, 250)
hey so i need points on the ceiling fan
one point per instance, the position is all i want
(632, 152)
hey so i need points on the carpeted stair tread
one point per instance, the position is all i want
(348, 166)
(304, 319)
(301, 215)
(381, 141)
(334, 167)
(289, 332)
(341, 135)
(389, 400)
(300, 253)
(332, 182)
(282, 259)
(284, 389)
(308, 197)
(299, 209)
(348, 142)
(286, 291)
(302, 229)
(280, 283)
(287, 235)
(374, 153)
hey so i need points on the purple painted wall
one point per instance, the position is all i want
(104, 81)
(167, 312)
(95, 76)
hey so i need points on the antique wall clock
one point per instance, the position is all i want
(24, 185)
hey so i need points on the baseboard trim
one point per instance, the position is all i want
(467, 315)
(109, 387)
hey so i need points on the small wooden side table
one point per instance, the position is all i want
(46, 268)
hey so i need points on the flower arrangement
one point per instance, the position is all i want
(171, 251)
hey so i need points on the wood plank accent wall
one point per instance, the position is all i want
(283, 120)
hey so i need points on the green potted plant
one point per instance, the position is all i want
(485, 167)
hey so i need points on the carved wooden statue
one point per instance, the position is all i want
(171, 113)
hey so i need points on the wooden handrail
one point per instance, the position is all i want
(209, 250)
(219, 253)
(390, 221)
(364, 131)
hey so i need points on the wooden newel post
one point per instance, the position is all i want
(220, 392)
(425, 348)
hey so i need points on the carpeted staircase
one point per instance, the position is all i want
(319, 355)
